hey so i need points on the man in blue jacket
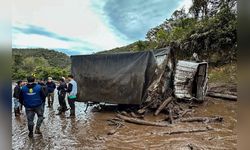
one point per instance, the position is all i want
(51, 87)
(32, 96)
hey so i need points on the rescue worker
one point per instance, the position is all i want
(51, 87)
(62, 89)
(21, 105)
(16, 94)
(31, 96)
(43, 85)
(72, 91)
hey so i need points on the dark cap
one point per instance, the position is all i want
(18, 82)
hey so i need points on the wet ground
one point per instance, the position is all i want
(89, 130)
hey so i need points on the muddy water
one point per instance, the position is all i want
(89, 131)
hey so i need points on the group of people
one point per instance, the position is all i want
(32, 96)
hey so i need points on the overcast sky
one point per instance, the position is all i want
(86, 26)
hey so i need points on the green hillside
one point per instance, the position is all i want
(41, 62)
(55, 58)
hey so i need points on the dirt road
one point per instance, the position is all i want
(89, 130)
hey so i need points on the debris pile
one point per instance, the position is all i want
(151, 80)
(174, 112)
(162, 97)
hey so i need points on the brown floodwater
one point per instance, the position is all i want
(89, 130)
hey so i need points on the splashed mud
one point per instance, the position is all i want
(89, 130)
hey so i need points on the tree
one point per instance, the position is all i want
(29, 64)
(179, 14)
(199, 8)
(140, 45)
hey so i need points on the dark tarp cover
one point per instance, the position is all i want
(113, 78)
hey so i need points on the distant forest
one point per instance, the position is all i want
(40, 62)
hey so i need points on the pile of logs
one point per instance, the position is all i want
(174, 113)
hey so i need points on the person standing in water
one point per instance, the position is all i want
(62, 89)
(31, 96)
(51, 88)
(44, 87)
(16, 94)
(72, 91)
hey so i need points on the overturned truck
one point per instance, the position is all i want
(134, 78)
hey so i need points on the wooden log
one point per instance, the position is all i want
(136, 116)
(142, 122)
(171, 116)
(177, 104)
(223, 96)
(143, 109)
(230, 93)
(202, 119)
(115, 122)
(224, 92)
(111, 132)
(189, 131)
(184, 113)
(163, 105)
(125, 113)
(168, 93)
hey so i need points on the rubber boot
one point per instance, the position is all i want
(30, 131)
(21, 108)
(16, 112)
(59, 108)
(37, 131)
(72, 113)
(48, 104)
(52, 101)
(65, 109)
(30, 135)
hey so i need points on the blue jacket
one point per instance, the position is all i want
(32, 95)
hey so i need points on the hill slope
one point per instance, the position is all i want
(40, 62)
(54, 58)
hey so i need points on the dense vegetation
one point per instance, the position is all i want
(39, 62)
(209, 28)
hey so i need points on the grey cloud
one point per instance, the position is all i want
(134, 18)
